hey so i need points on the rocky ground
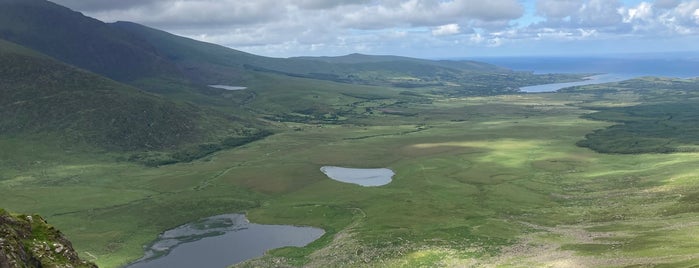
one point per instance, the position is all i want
(28, 241)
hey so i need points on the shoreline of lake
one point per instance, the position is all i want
(228, 87)
(221, 241)
(591, 80)
(367, 177)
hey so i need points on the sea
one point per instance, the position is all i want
(676, 65)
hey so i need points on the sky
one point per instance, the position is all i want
(418, 28)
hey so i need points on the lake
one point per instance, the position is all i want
(597, 79)
(228, 87)
(361, 176)
(221, 241)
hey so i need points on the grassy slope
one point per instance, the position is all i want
(214, 64)
(488, 180)
(81, 41)
(43, 97)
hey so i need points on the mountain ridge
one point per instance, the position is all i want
(356, 58)
(85, 42)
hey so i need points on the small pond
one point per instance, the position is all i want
(596, 79)
(221, 241)
(361, 176)
(228, 87)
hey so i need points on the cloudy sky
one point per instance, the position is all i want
(419, 28)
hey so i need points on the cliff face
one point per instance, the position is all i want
(28, 241)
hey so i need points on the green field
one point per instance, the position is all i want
(480, 181)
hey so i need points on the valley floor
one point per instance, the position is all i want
(480, 181)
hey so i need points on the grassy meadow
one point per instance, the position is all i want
(480, 181)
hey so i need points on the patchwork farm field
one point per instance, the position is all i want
(480, 181)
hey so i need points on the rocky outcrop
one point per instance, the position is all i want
(28, 241)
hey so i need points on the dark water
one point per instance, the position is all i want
(221, 241)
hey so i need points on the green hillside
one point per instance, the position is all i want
(41, 95)
(203, 62)
(210, 63)
(79, 40)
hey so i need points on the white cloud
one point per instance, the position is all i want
(587, 33)
(447, 29)
(686, 11)
(327, 4)
(579, 17)
(103, 5)
(495, 42)
(430, 13)
(198, 13)
(666, 4)
(297, 27)
(644, 11)
(557, 9)
(598, 13)
(611, 19)
(476, 38)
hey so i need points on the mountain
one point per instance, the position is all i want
(39, 94)
(81, 41)
(128, 52)
(218, 64)
(29, 241)
(202, 62)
